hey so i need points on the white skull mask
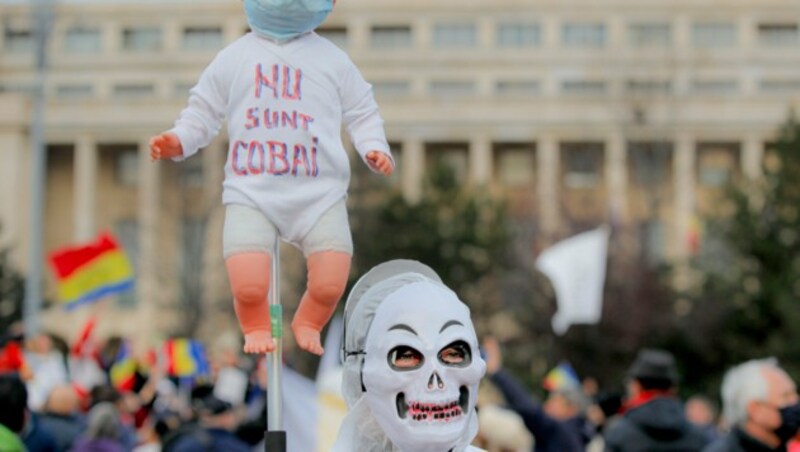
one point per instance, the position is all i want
(422, 368)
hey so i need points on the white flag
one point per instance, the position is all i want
(577, 270)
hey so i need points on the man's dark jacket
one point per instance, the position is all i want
(656, 426)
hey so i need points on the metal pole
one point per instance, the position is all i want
(42, 16)
(275, 436)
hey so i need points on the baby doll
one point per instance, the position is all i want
(285, 92)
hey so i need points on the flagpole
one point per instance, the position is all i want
(275, 436)
(42, 16)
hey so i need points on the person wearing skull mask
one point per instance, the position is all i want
(411, 364)
(761, 403)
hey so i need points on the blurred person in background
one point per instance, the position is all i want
(48, 368)
(108, 394)
(217, 422)
(13, 400)
(653, 418)
(502, 430)
(761, 404)
(16, 416)
(61, 416)
(104, 432)
(702, 412)
(559, 425)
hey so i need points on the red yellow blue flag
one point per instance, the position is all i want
(123, 370)
(561, 376)
(88, 272)
(185, 358)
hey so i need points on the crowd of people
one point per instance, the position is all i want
(49, 404)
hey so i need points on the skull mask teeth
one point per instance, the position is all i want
(433, 411)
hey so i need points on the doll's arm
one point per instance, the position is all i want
(364, 123)
(202, 118)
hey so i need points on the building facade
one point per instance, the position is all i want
(581, 112)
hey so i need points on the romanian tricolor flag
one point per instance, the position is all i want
(123, 370)
(185, 358)
(89, 272)
(560, 376)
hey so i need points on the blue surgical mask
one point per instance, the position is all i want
(283, 20)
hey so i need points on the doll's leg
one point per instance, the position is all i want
(248, 238)
(327, 278)
(249, 277)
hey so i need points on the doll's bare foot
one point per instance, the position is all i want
(308, 339)
(259, 341)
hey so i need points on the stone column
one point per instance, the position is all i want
(548, 177)
(752, 156)
(85, 187)
(413, 168)
(480, 161)
(616, 176)
(14, 193)
(147, 287)
(684, 181)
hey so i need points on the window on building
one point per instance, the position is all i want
(83, 40)
(75, 91)
(714, 87)
(451, 89)
(778, 35)
(192, 173)
(202, 38)
(523, 88)
(648, 86)
(336, 35)
(392, 88)
(193, 238)
(135, 90)
(519, 34)
(582, 163)
(396, 149)
(391, 37)
(714, 34)
(649, 34)
(584, 87)
(780, 86)
(21, 88)
(455, 35)
(18, 40)
(142, 39)
(717, 164)
(650, 162)
(451, 158)
(651, 240)
(583, 35)
(127, 232)
(181, 89)
(516, 164)
(126, 165)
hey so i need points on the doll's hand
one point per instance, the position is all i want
(380, 162)
(165, 146)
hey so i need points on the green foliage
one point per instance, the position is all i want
(750, 306)
(460, 233)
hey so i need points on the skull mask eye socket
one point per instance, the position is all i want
(404, 357)
(457, 354)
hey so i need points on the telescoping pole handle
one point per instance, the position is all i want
(275, 436)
